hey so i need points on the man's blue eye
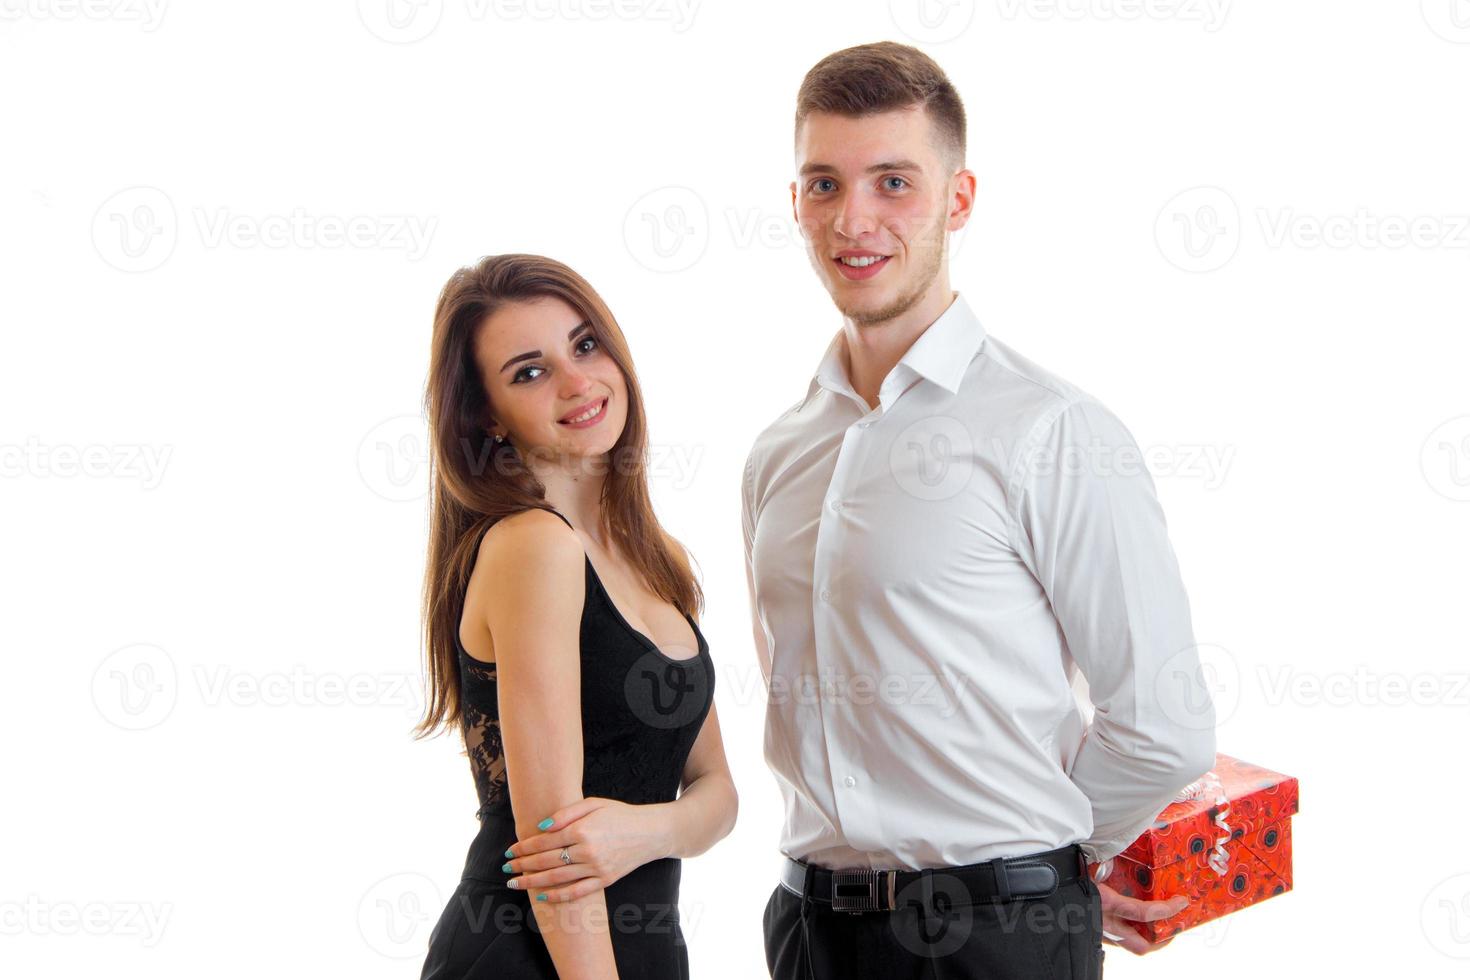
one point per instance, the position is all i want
(899, 179)
(818, 181)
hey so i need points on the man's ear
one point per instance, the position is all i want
(962, 199)
(793, 204)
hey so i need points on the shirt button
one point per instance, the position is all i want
(826, 595)
(849, 781)
(836, 505)
(864, 424)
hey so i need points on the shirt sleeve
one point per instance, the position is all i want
(1088, 524)
(747, 525)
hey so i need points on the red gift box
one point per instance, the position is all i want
(1224, 843)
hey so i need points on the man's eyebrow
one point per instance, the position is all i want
(827, 168)
(536, 353)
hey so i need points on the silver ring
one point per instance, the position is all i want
(565, 857)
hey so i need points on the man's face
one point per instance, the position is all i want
(874, 199)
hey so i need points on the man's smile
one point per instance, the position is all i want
(857, 264)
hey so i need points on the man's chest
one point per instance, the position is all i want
(896, 510)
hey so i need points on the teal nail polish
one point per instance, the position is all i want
(541, 897)
(544, 824)
(505, 867)
(508, 854)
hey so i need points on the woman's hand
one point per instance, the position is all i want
(1118, 910)
(605, 839)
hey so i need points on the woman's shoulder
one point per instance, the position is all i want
(534, 529)
(528, 587)
(531, 517)
(528, 551)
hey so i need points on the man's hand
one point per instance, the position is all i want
(605, 839)
(1118, 910)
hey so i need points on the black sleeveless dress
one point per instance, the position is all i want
(641, 712)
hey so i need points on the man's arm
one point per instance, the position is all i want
(747, 526)
(1089, 526)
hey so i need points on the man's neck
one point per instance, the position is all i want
(873, 349)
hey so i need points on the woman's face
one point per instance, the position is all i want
(544, 368)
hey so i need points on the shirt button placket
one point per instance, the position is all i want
(837, 717)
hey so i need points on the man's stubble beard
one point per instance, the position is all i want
(931, 259)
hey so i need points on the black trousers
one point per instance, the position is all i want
(1058, 937)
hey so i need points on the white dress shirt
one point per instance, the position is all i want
(928, 577)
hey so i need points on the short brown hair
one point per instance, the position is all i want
(880, 77)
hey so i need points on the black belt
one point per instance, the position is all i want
(1001, 879)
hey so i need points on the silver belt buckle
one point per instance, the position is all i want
(863, 890)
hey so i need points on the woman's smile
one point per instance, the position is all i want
(586, 416)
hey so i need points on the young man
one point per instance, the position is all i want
(938, 536)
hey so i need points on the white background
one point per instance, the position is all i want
(213, 480)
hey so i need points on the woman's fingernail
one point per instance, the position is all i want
(544, 824)
(513, 883)
(541, 897)
(508, 853)
(506, 867)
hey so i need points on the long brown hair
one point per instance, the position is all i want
(475, 481)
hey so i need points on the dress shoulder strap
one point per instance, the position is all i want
(562, 516)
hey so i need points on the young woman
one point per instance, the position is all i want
(561, 641)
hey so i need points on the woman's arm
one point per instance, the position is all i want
(613, 838)
(706, 808)
(533, 609)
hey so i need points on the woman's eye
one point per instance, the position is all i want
(521, 376)
(900, 180)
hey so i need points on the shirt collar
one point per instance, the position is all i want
(830, 374)
(941, 354)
